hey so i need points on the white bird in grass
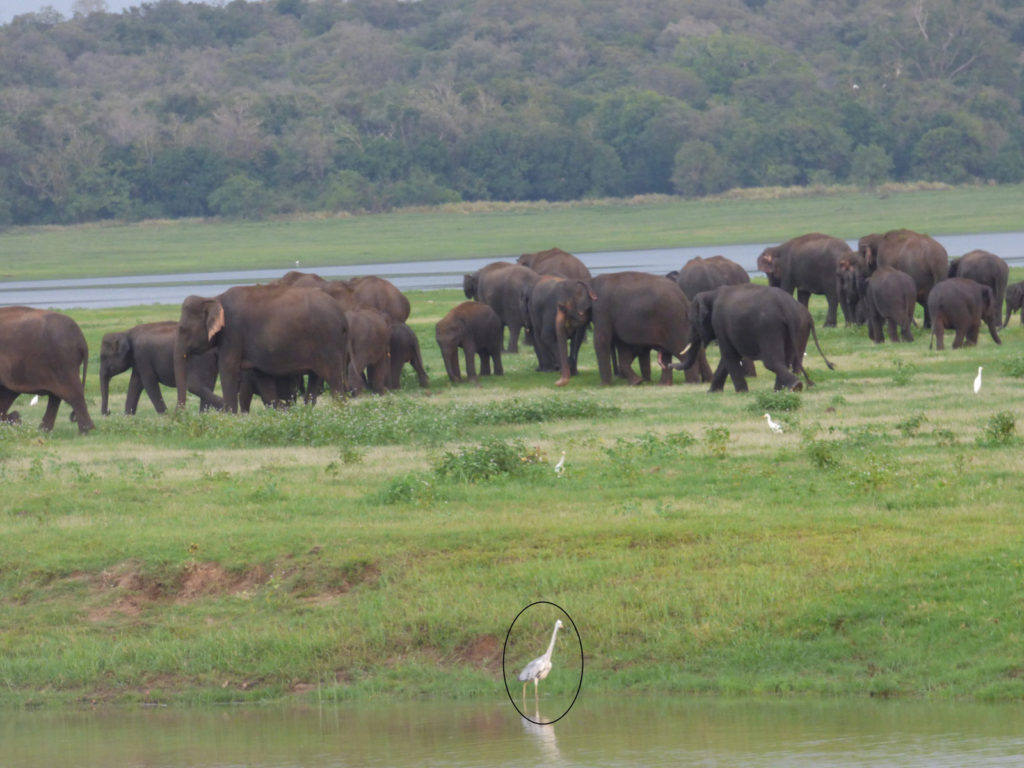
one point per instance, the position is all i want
(560, 466)
(35, 399)
(774, 426)
(977, 381)
(539, 668)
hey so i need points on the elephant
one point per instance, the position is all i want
(985, 268)
(559, 310)
(918, 255)
(806, 264)
(359, 292)
(148, 350)
(41, 353)
(760, 322)
(501, 286)
(1014, 301)
(851, 271)
(477, 329)
(555, 261)
(369, 337)
(890, 296)
(405, 348)
(699, 274)
(275, 391)
(280, 330)
(961, 303)
(636, 312)
(471, 280)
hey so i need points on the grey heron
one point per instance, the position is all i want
(539, 668)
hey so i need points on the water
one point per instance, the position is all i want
(600, 731)
(420, 275)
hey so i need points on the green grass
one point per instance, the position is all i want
(498, 230)
(381, 547)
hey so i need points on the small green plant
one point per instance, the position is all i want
(823, 453)
(904, 372)
(909, 426)
(630, 457)
(1014, 367)
(494, 458)
(349, 454)
(771, 402)
(837, 400)
(411, 488)
(717, 441)
(1000, 430)
(944, 437)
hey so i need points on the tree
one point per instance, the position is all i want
(698, 170)
(870, 165)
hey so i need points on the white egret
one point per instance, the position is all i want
(34, 400)
(774, 426)
(539, 668)
(977, 381)
(560, 466)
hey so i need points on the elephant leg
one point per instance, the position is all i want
(626, 364)
(7, 398)
(131, 402)
(784, 378)
(377, 376)
(972, 334)
(470, 352)
(665, 362)
(643, 359)
(603, 351)
(718, 378)
(939, 331)
(958, 337)
(513, 338)
(831, 316)
(245, 394)
(905, 333)
(496, 356)
(804, 297)
(748, 366)
(705, 368)
(576, 340)
(485, 364)
(230, 365)
(152, 387)
(314, 388)
(927, 314)
(451, 364)
(890, 325)
(50, 417)
(732, 365)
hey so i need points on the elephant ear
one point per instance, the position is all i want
(987, 299)
(214, 319)
(954, 268)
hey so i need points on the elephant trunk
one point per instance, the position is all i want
(688, 356)
(561, 337)
(180, 375)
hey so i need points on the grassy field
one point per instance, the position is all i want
(498, 230)
(383, 546)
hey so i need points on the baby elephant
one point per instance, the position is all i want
(477, 329)
(405, 348)
(961, 303)
(890, 297)
(148, 350)
(1014, 301)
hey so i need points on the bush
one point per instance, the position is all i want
(717, 441)
(241, 197)
(1000, 430)
(494, 458)
(775, 401)
(1014, 367)
(630, 457)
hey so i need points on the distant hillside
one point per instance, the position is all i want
(183, 109)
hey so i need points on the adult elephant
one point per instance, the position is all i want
(851, 271)
(359, 292)
(635, 312)
(961, 303)
(148, 351)
(280, 330)
(559, 310)
(557, 262)
(41, 353)
(405, 348)
(501, 289)
(985, 268)
(700, 274)
(471, 280)
(806, 264)
(755, 321)
(920, 256)
(1014, 301)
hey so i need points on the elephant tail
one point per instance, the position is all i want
(814, 333)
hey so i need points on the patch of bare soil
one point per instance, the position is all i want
(481, 651)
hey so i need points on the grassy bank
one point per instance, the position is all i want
(498, 230)
(382, 547)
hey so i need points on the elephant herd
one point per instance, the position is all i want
(289, 338)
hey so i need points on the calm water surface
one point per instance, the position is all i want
(419, 275)
(627, 731)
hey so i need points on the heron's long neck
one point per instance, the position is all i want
(551, 646)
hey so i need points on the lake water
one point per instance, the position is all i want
(419, 275)
(599, 731)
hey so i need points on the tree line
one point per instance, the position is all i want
(175, 109)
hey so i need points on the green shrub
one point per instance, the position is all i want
(775, 401)
(904, 372)
(1014, 367)
(1000, 430)
(630, 457)
(823, 453)
(909, 426)
(494, 458)
(717, 441)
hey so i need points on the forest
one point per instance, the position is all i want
(249, 109)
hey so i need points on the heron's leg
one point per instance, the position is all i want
(535, 682)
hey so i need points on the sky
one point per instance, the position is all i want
(11, 8)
